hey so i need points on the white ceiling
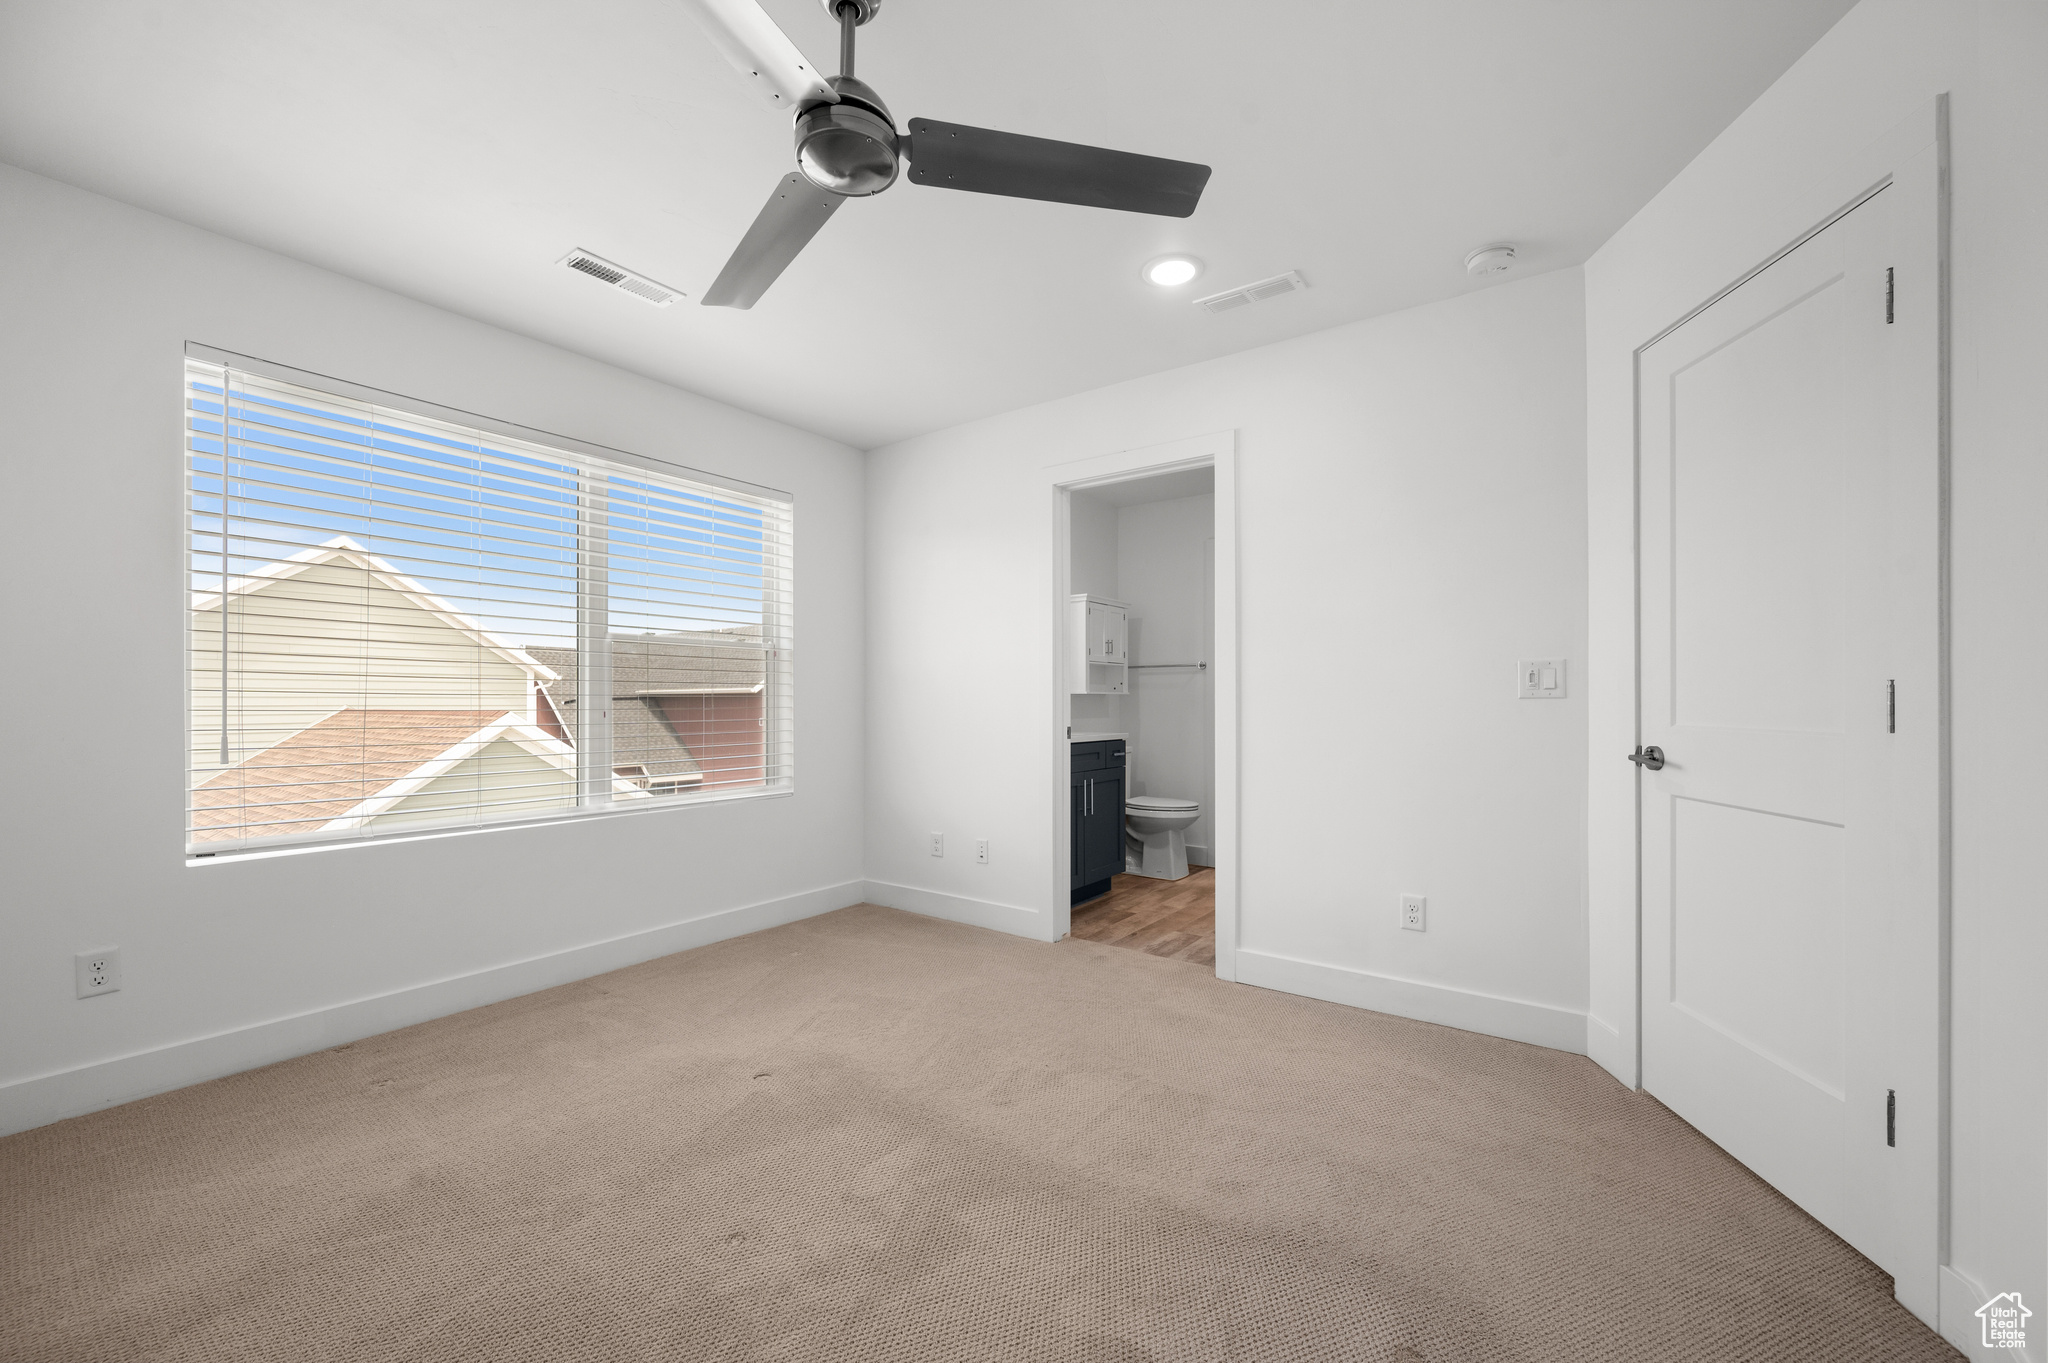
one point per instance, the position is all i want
(453, 150)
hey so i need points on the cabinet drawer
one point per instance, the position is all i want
(1093, 756)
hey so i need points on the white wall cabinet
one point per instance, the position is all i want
(1098, 645)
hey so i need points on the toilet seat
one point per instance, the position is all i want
(1164, 804)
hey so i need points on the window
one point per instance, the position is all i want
(404, 618)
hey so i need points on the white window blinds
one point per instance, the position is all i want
(403, 618)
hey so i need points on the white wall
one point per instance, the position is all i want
(1094, 547)
(1884, 60)
(1163, 571)
(1092, 565)
(234, 964)
(1411, 493)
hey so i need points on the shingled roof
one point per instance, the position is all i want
(646, 667)
(685, 663)
(319, 774)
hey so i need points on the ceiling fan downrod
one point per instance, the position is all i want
(849, 20)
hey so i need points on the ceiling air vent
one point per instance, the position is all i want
(621, 278)
(1247, 294)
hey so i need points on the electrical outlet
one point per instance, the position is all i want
(938, 844)
(981, 850)
(99, 972)
(1415, 912)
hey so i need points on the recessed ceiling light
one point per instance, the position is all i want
(1170, 272)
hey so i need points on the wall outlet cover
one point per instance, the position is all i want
(1539, 679)
(981, 850)
(938, 844)
(1415, 912)
(98, 972)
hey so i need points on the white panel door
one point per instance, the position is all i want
(1771, 567)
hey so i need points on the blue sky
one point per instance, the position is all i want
(488, 527)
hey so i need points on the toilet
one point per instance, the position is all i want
(1155, 835)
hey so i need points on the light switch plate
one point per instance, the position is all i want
(1539, 679)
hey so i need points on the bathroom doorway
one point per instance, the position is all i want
(1146, 700)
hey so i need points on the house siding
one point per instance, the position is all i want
(505, 777)
(724, 733)
(327, 638)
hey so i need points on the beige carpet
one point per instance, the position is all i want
(872, 1136)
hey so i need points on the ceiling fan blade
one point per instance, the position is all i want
(745, 35)
(793, 215)
(955, 156)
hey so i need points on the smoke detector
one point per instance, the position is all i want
(621, 278)
(1244, 295)
(1490, 260)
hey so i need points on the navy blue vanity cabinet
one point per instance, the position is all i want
(1096, 811)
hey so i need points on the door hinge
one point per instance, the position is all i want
(1891, 707)
(1888, 295)
(1891, 1116)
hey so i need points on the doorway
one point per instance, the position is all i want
(1790, 726)
(1145, 701)
(1175, 919)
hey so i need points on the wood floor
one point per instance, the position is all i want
(1173, 918)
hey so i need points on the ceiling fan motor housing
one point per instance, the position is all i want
(851, 147)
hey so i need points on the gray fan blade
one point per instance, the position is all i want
(794, 213)
(954, 156)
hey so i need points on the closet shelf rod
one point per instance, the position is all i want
(1139, 667)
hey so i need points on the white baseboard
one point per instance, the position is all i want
(1604, 1047)
(1561, 1029)
(980, 912)
(1199, 855)
(47, 1098)
(1961, 1295)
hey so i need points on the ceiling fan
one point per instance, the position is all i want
(847, 147)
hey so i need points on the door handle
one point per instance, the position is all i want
(1649, 759)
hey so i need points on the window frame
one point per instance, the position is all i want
(592, 780)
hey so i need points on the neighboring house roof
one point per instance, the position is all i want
(542, 745)
(342, 549)
(684, 663)
(640, 738)
(321, 773)
(646, 667)
(356, 765)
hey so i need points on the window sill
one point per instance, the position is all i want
(344, 843)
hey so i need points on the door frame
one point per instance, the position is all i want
(1217, 450)
(1912, 162)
